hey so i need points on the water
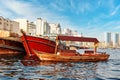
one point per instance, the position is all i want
(19, 68)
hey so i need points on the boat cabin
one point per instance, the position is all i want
(67, 51)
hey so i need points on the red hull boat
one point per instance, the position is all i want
(37, 43)
(47, 50)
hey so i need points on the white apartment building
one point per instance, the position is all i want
(67, 31)
(23, 24)
(31, 29)
(55, 29)
(39, 27)
(28, 27)
(75, 33)
(42, 27)
(70, 32)
(9, 25)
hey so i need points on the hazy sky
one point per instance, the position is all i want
(91, 17)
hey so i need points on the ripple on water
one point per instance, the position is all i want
(21, 69)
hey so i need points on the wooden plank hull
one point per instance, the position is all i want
(76, 58)
(46, 50)
(37, 43)
(10, 46)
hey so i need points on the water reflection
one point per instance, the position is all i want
(59, 70)
(30, 68)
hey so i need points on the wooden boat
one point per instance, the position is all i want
(37, 43)
(72, 57)
(47, 50)
(10, 45)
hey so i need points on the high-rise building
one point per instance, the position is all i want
(42, 27)
(116, 40)
(108, 39)
(55, 29)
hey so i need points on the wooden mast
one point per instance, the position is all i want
(95, 47)
(26, 43)
(56, 44)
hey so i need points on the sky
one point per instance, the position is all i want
(90, 17)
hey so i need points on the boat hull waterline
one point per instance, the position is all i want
(78, 58)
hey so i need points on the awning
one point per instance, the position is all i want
(80, 39)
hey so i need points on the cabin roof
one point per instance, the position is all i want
(80, 39)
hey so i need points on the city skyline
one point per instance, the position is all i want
(92, 18)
